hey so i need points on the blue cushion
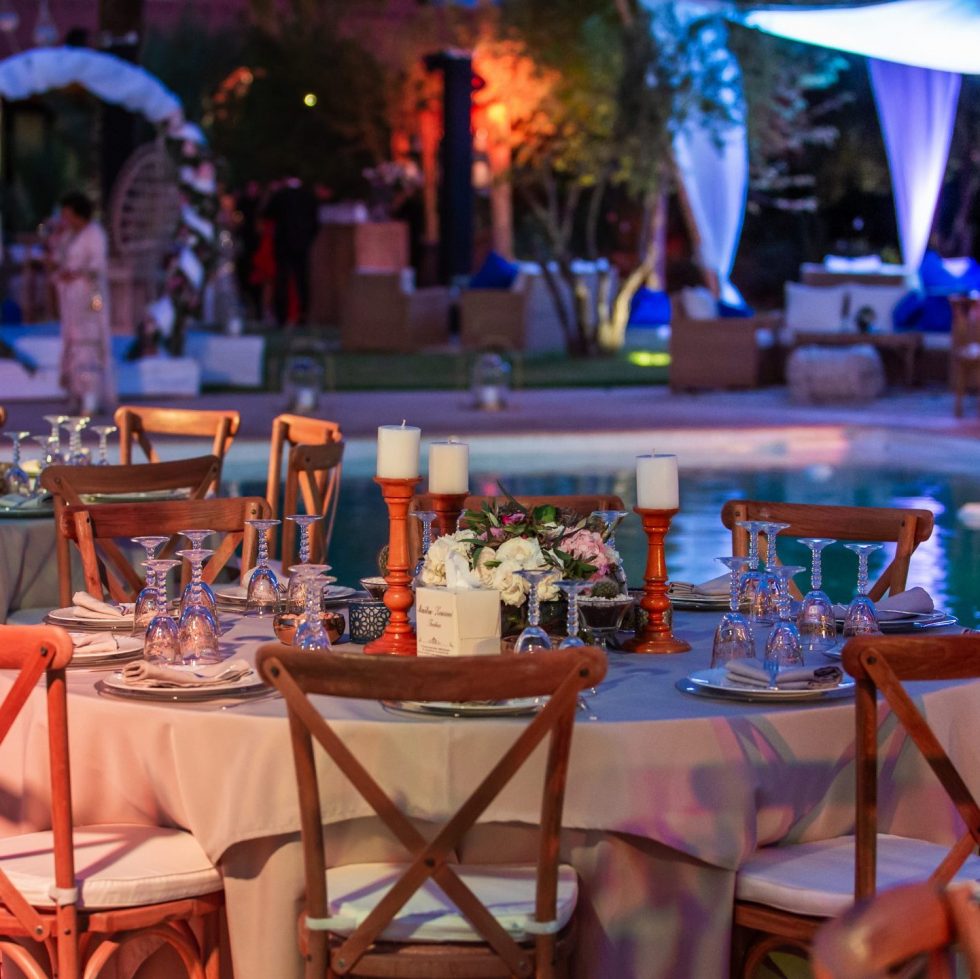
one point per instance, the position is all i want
(727, 311)
(931, 314)
(937, 280)
(649, 308)
(495, 273)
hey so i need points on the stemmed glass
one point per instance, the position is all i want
(784, 647)
(310, 634)
(733, 636)
(425, 517)
(146, 600)
(533, 636)
(197, 538)
(748, 582)
(604, 616)
(77, 456)
(570, 587)
(296, 592)
(815, 620)
(197, 629)
(263, 586)
(765, 607)
(104, 431)
(861, 618)
(55, 421)
(18, 481)
(162, 643)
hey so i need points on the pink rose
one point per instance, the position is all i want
(512, 518)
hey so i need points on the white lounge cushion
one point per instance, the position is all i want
(699, 303)
(429, 916)
(814, 308)
(116, 866)
(818, 878)
(881, 299)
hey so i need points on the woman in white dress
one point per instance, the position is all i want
(86, 340)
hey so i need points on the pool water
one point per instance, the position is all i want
(946, 565)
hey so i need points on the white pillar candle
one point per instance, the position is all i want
(656, 483)
(449, 467)
(398, 451)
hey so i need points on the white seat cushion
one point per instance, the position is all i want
(429, 916)
(881, 300)
(814, 309)
(818, 878)
(699, 303)
(116, 866)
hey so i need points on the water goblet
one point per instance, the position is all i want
(162, 642)
(56, 421)
(425, 517)
(861, 618)
(815, 620)
(146, 600)
(77, 455)
(765, 608)
(197, 537)
(748, 583)
(197, 628)
(263, 586)
(310, 634)
(305, 523)
(570, 588)
(533, 636)
(18, 481)
(784, 646)
(733, 637)
(104, 431)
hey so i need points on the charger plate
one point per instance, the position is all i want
(246, 686)
(913, 621)
(27, 511)
(710, 683)
(127, 647)
(700, 603)
(445, 708)
(237, 594)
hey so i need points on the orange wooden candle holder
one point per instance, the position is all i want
(447, 507)
(656, 636)
(399, 635)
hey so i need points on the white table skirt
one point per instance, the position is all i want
(668, 793)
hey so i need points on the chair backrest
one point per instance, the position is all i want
(882, 664)
(35, 651)
(905, 527)
(295, 431)
(558, 674)
(70, 485)
(97, 525)
(136, 424)
(3, 416)
(912, 928)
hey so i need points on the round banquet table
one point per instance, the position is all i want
(667, 794)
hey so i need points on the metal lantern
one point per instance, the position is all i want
(490, 382)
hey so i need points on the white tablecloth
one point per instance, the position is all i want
(667, 795)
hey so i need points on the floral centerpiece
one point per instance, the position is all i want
(499, 540)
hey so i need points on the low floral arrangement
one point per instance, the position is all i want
(499, 540)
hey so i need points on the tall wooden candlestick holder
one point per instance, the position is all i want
(447, 507)
(399, 635)
(656, 636)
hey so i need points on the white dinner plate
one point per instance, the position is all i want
(65, 618)
(445, 708)
(247, 685)
(700, 603)
(713, 681)
(913, 621)
(127, 647)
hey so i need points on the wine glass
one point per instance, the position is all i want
(425, 517)
(162, 643)
(263, 586)
(18, 481)
(861, 618)
(56, 421)
(733, 637)
(197, 628)
(146, 600)
(570, 588)
(197, 537)
(296, 590)
(310, 634)
(748, 583)
(784, 646)
(76, 456)
(533, 637)
(765, 607)
(815, 620)
(104, 431)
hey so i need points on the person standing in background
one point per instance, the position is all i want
(83, 296)
(293, 209)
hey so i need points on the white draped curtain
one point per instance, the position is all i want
(917, 110)
(713, 168)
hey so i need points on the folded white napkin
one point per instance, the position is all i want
(752, 673)
(94, 642)
(915, 601)
(86, 606)
(143, 674)
(720, 586)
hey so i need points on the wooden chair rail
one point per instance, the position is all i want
(313, 476)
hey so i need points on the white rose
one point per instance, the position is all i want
(547, 591)
(512, 587)
(524, 550)
(434, 569)
(485, 555)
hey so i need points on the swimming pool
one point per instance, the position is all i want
(859, 467)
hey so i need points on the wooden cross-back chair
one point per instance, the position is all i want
(71, 485)
(964, 353)
(907, 528)
(137, 423)
(784, 893)
(312, 475)
(543, 897)
(95, 526)
(78, 887)
(912, 930)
